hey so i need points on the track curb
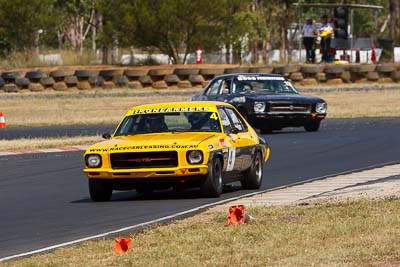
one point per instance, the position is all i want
(45, 150)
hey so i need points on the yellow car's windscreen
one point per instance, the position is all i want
(169, 122)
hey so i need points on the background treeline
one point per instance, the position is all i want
(172, 27)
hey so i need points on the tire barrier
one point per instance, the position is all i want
(196, 80)
(261, 70)
(183, 75)
(47, 82)
(172, 80)
(71, 81)
(9, 78)
(160, 77)
(159, 85)
(146, 81)
(10, 88)
(60, 86)
(22, 83)
(120, 81)
(35, 87)
(99, 81)
(236, 70)
(59, 75)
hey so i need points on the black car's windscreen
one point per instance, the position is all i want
(169, 122)
(262, 84)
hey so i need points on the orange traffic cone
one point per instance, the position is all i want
(236, 215)
(2, 121)
(122, 245)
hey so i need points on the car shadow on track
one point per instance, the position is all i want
(168, 194)
(293, 130)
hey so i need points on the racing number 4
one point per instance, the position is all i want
(214, 116)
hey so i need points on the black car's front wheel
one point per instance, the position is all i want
(211, 186)
(312, 126)
(253, 177)
(99, 190)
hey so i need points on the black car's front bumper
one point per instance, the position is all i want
(279, 121)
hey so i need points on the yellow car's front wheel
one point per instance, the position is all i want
(100, 190)
(211, 186)
(253, 178)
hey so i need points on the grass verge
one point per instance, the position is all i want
(98, 107)
(42, 143)
(78, 107)
(350, 233)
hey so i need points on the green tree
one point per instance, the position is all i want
(173, 26)
(78, 17)
(117, 25)
(238, 25)
(176, 27)
(22, 22)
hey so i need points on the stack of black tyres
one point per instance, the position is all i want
(85, 79)
(184, 74)
(209, 73)
(158, 77)
(9, 78)
(120, 80)
(133, 76)
(61, 77)
(385, 71)
(35, 78)
(333, 73)
(106, 79)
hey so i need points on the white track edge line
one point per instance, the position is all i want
(179, 214)
(125, 228)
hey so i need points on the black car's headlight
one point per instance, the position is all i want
(194, 156)
(93, 161)
(321, 108)
(259, 107)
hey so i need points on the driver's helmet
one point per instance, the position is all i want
(155, 122)
(196, 120)
(243, 87)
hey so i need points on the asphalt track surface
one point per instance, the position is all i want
(44, 198)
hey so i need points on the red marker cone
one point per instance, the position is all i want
(122, 245)
(2, 121)
(236, 215)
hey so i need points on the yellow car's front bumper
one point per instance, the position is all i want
(178, 172)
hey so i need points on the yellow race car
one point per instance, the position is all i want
(179, 145)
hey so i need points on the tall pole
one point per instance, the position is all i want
(300, 32)
(376, 25)
(351, 34)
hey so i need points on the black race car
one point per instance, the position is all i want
(268, 101)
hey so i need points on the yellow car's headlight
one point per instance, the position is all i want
(194, 156)
(93, 161)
